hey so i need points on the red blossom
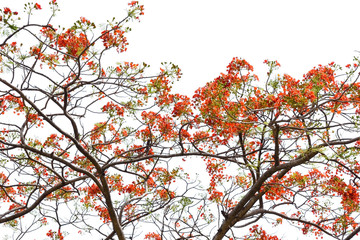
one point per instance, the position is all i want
(7, 10)
(152, 236)
(37, 6)
(132, 3)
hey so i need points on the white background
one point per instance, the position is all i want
(202, 36)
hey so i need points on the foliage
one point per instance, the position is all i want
(88, 148)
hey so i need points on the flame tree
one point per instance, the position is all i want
(109, 150)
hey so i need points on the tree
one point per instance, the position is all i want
(108, 150)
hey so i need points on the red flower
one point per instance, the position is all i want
(7, 10)
(132, 3)
(37, 6)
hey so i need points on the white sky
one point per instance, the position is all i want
(202, 36)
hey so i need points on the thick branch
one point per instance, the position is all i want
(248, 200)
